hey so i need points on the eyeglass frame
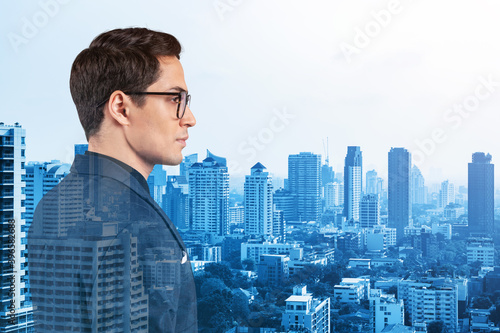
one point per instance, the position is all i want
(179, 94)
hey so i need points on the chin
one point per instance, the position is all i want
(172, 160)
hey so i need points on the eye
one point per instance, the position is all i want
(176, 99)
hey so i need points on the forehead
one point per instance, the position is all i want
(171, 74)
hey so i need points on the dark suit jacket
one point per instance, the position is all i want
(104, 257)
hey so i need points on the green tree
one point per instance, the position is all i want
(436, 327)
(248, 264)
(481, 303)
(235, 260)
(240, 308)
(217, 304)
(320, 289)
(221, 271)
(212, 284)
(393, 290)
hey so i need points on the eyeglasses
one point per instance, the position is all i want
(183, 99)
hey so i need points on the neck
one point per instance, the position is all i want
(122, 154)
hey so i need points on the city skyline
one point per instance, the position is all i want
(436, 177)
(377, 89)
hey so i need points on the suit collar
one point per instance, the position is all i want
(105, 166)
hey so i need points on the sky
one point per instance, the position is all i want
(273, 78)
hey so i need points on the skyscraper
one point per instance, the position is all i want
(327, 174)
(186, 163)
(371, 182)
(121, 299)
(370, 211)
(157, 183)
(304, 179)
(209, 197)
(258, 202)
(418, 195)
(176, 201)
(481, 195)
(16, 312)
(353, 180)
(286, 201)
(334, 195)
(399, 205)
(41, 178)
(446, 194)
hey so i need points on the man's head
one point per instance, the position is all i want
(123, 61)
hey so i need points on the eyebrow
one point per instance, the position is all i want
(178, 88)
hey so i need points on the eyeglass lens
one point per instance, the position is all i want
(185, 100)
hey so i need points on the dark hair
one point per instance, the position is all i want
(120, 59)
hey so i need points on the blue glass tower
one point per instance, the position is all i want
(304, 180)
(16, 312)
(399, 205)
(481, 195)
(353, 180)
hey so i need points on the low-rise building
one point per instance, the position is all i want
(305, 313)
(427, 304)
(352, 290)
(385, 310)
(272, 269)
(482, 250)
(255, 250)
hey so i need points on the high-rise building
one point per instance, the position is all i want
(327, 174)
(113, 252)
(258, 202)
(80, 149)
(380, 187)
(446, 194)
(209, 197)
(353, 180)
(334, 195)
(237, 214)
(369, 211)
(481, 195)
(157, 183)
(16, 312)
(176, 201)
(286, 201)
(304, 179)
(399, 196)
(279, 225)
(371, 182)
(41, 178)
(220, 160)
(418, 193)
(305, 313)
(186, 163)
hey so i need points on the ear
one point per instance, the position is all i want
(117, 107)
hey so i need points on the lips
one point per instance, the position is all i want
(182, 140)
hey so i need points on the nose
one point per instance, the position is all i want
(188, 120)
